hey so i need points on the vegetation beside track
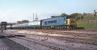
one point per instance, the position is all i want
(88, 22)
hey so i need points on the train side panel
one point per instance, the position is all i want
(54, 21)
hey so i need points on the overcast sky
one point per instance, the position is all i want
(13, 10)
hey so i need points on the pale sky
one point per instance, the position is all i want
(13, 10)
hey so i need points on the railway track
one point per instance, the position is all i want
(52, 47)
(45, 41)
(33, 41)
(69, 39)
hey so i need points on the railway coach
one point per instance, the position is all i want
(29, 25)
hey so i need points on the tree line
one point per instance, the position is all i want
(76, 16)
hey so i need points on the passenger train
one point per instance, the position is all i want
(63, 22)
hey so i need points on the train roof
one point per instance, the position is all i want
(34, 23)
(56, 17)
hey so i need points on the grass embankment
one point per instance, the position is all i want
(88, 22)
